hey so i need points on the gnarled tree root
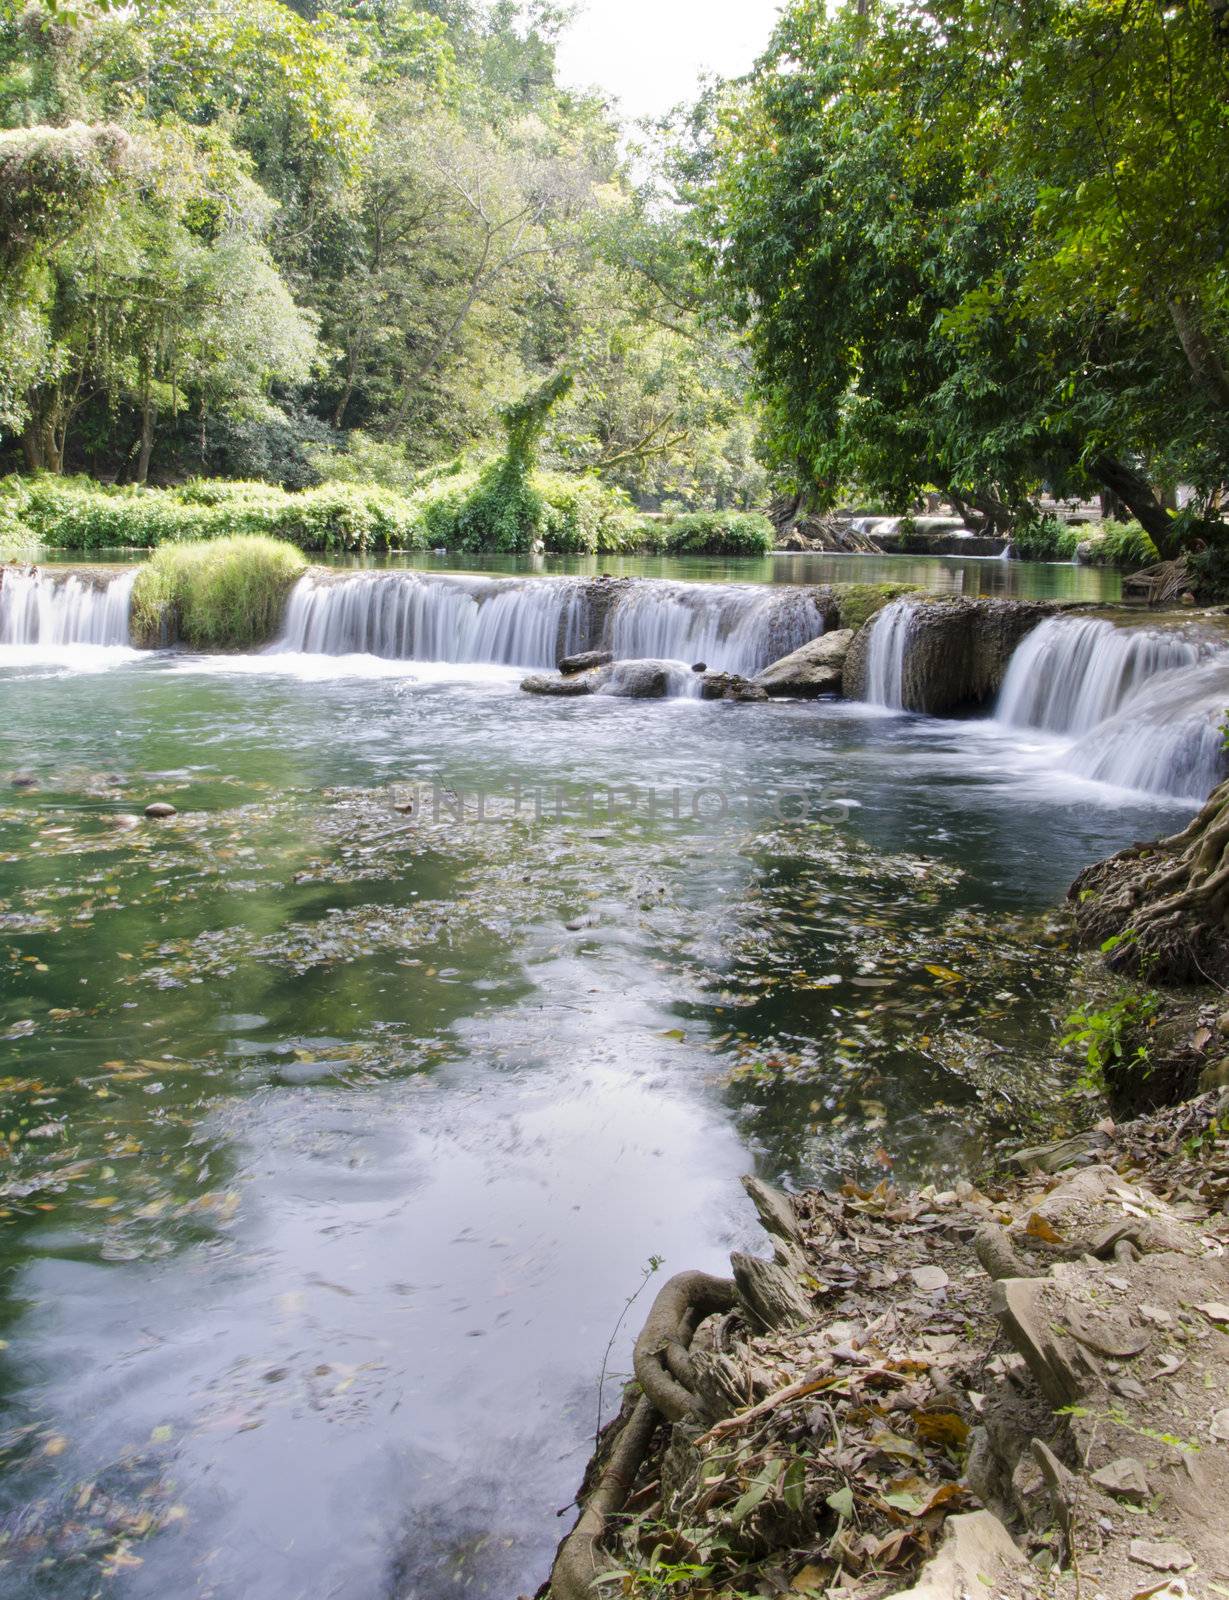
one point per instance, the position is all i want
(661, 1360)
(1167, 903)
(663, 1368)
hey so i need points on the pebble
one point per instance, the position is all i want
(160, 808)
(929, 1279)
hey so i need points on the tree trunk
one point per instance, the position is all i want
(149, 422)
(1136, 493)
(40, 446)
(1205, 363)
(1165, 905)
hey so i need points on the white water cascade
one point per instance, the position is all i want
(730, 628)
(405, 616)
(885, 661)
(38, 607)
(1071, 673)
(531, 622)
(1141, 707)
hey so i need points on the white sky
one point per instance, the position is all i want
(648, 54)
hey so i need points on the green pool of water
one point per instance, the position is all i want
(338, 1132)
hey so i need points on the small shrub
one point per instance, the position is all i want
(17, 542)
(583, 517)
(1118, 544)
(481, 511)
(1044, 539)
(715, 533)
(217, 594)
(1210, 572)
(1109, 1036)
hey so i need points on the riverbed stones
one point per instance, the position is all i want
(640, 680)
(812, 670)
(584, 660)
(159, 809)
(543, 683)
(729, 686)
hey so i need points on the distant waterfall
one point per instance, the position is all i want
(1142, 707)
(1070, 673)
(532, 622)
(885, 661)
(37, 607)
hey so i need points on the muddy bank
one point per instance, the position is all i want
(1029, 1375)
(1015, 1381)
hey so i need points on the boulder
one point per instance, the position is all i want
(814, 669)
(729, 686)
(644, 680)
(956, 651)
(543, 683)
(977, 1555)
(585, 660)
(159, 809)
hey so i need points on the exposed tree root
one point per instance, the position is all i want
(1168, 902)
(577, 1561)
(663, 1369)
(662, 1364)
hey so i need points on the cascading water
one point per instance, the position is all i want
(1166, 739)
(885, 662)
(1142, 707)
(732, 629)
(532, 622)
(405, 616)
(1071, 673)
(38, 607)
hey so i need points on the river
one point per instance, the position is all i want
(339, 1132)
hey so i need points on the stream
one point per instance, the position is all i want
(346, 1109)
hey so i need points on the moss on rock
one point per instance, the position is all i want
(858, 602)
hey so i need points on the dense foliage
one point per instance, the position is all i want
(561, 514)
(336, 241)
(982, 248)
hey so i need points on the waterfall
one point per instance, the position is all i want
(1166, 739)
(1141, 707)
(730, 628)
(532, 622)
(885, 661)
(39, 607)
(408, 616)
(1071, 673)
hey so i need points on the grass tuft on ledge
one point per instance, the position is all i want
(216, 594)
